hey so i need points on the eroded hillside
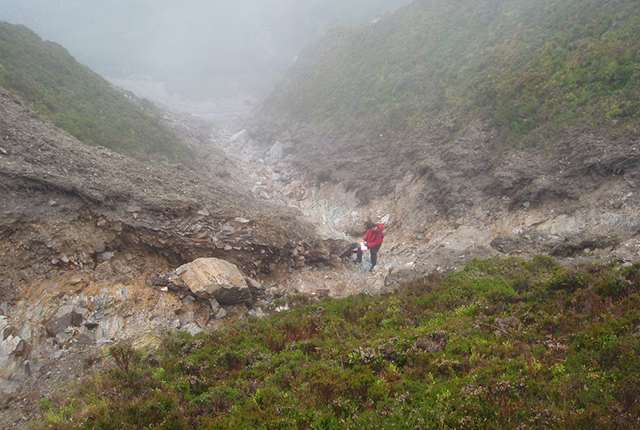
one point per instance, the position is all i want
(49, 178)
(88, 238)
(85, 231)
(499, 127)
(471, 104)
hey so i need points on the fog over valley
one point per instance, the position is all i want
(192, 55)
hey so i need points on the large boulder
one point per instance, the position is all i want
(214, 278)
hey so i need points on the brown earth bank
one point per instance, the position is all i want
(51, 181)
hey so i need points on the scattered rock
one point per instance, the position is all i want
(257, 290)
(4, 308)
(239, 137)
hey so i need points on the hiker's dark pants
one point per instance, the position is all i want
(374, 254)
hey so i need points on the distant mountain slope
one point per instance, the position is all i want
(368, 105)
(78, 100)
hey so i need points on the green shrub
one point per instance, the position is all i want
(564, 356)
(124, 355)
(527, 69)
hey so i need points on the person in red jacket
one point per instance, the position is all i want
(373, 240)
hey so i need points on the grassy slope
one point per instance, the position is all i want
(503, 344)
(79, 101)
(524, 67)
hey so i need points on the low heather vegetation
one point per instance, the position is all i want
(503, 344)
(528, 69)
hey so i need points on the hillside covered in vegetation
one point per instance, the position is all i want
(79, 101)
(516, 75)
(503, 344)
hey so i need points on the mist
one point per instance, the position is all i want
(193, 55)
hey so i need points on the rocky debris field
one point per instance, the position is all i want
(578, 203)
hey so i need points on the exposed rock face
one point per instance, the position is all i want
(578, 193)
(68, 205)
(58, 325)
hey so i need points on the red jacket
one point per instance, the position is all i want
(373, 238)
